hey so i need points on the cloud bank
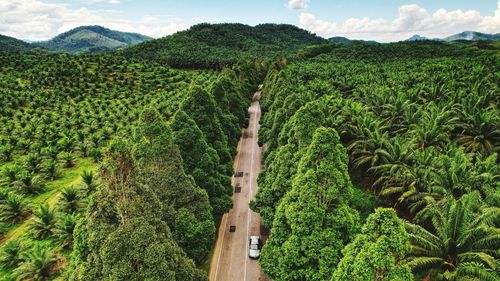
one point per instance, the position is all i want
(412, 19)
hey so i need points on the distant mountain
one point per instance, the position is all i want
(417, 37)
(344, 40)
(473, 36)
(13, 45)
(90, 39)
(216, 45)
(340, 39)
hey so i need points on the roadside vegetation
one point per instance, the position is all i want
(65, 122)
(381, 160)
(419, 128)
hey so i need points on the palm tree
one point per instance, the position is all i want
(64, 229)
(13, 209)
(49, 167)
(369, 150)
(89, 180)
(68, 159)
(11, 253)
(37, 266)
(10, 175)
(32, 162)
(6, 152)
(28, 183)
(70, 199)
(455, 172)
(44, 222)
(480, 132)
(398, 153)
(461, 242)
(434, 126)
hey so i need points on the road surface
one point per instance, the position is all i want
(230, 261)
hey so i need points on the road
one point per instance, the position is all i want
(230, 261)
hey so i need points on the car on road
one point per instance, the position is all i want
(254, 247)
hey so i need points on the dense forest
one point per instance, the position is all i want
(88, 145)
(381, 160)
(414, 124)
(219, 45)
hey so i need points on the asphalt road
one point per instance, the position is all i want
(230, 261)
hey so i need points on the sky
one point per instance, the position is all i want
(381, 20)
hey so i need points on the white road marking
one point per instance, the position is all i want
(250, 185)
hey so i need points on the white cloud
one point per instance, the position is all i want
(38, 20)
(297, 4)
(102, 1)
(412, 19)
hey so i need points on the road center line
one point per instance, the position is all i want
(251, 181)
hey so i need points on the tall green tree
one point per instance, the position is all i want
(313, 221)
(159, 166)
(202, 108)
(378, 252)
(123, 236)
(202, 162)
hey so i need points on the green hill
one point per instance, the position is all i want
(13, 45)
(90, 39)
(216, 45)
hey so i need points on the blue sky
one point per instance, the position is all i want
(383, 20)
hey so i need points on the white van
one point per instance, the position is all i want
(254, 247)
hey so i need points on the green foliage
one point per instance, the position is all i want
(202, 162)
(218, 45)
(65, 228)
(378, 252)
(137, 251)
(70, 200)
(201, 107)
(159, 165)
(13, 208)
(37, 264)
(418, 119)
(10, 255)
(91, 39)
(44, 222)
(313, 222)
(460, 242)
(193, 235)
(12, 45)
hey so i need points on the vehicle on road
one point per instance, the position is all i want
(255, 245)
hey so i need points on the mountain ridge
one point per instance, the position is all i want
(91, 39)
(11, 44)
(465, 35)
(217, 45)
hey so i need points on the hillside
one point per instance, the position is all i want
(216, 45)
(90, 39)
(463, 36)
(344, 40)
(473, 36)
(340, 39)
(10, 44)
